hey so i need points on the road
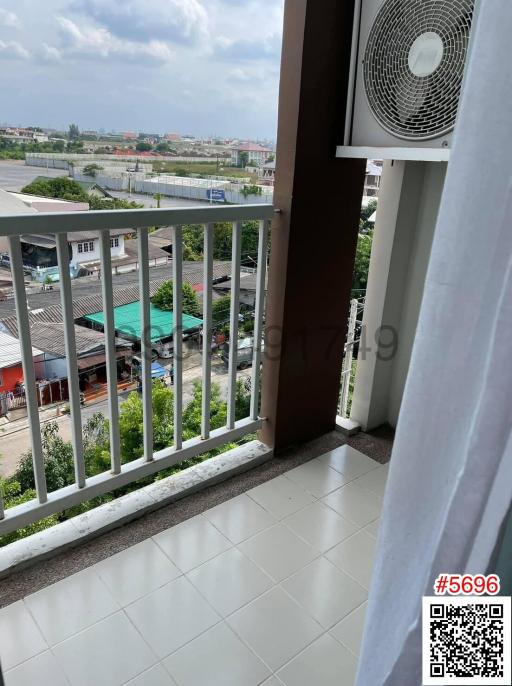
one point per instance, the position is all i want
(14, 174)
(17, 442)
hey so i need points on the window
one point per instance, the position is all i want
(86, 247)
(80, 247)
(114, 242)
(91, 246)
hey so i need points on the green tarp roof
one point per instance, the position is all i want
(127, 321)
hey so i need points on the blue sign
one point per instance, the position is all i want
(216, 194)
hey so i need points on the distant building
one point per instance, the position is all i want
(373, 176)
(130, 136)
(267, 173)
(257, 154)
(17, 135)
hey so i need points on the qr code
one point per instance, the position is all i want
(467, 640)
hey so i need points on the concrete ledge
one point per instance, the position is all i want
(75, 531)
(347, 427)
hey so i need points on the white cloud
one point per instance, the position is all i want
(247, 49)
(98, 43)
(9, 19)
(49, 53)
(180, 21)
(13, 50)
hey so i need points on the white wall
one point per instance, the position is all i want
(406, 217)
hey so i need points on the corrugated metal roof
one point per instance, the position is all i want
(10, 351)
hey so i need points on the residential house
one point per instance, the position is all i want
(39, 251)
(11, 372)
(256, 154)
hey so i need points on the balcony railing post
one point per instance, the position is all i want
(110, 347)
(233, 323)
(27, 360)
(261, 277)
(177, 333)
(207, 330)
(146, 349)
(66, 299)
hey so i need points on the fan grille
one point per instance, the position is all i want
(409, 106)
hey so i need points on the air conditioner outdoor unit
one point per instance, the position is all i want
(408, 60)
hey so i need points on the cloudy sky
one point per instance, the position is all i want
(191, 66)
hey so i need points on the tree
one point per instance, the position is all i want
(61, 187)
(92, 170)
(58, 461)
(73, 132)
(244, 159)
(143, 147)
(220, 310)
(66, 189)
(164, 297)
(96, 203)
(162, 147)
(251, 190)
(158, 198)
(362, 264)
(366, 213)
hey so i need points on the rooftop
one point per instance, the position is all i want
(10, 351)
(127, 321)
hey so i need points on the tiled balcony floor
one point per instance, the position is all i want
(267, 588)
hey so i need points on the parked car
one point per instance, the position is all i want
(245, 352)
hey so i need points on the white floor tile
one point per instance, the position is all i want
(42, 669)
(275, 627)
(16, 621)
(156, 676)
(230, 581)
(324, 663)
(278, 551)
(136, 571)
(281, 497)
(71, 605)
(172, 616)
(217, 658)
(320, 526)
(355, 556)
(325, 592)
(317, 478)
(107, 654)
(373, 528)
(273, 681)
(349, 461)
(239, 518)
(374, 481)
(350, 630)
(191, 543)
(355, 503)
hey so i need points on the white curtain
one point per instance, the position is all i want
(450, 483)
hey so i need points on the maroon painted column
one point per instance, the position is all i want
(314, 237)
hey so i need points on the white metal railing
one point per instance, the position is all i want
(61, 224)
(356, 308)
